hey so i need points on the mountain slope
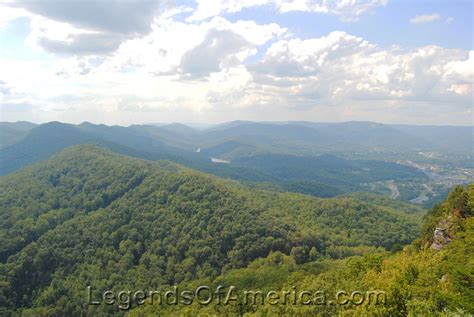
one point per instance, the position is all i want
(40, 143)
(244, 138)
(419, 280)
(321, 176)
(327, 169)
(47, 139)
(91, 217)
(13, 132)
(361, 138)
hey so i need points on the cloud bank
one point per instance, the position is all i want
(124, 62)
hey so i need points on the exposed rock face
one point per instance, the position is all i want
(442, 233)
(440, 239)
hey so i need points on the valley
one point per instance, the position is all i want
(89, 216)
(299, 157)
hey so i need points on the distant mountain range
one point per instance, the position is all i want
(302, 137)
(12, 132)
(321, 159)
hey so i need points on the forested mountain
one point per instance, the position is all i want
(245, 138)
(318, 175)
(411, 163)
(88, 216)
(13, 132)
(327, 169)
(434, 276)
(47, 139)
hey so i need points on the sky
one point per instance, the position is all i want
(132, 62)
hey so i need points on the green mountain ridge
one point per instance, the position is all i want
(13, 132)
(88, 216)
(323, 175)
(419, 280)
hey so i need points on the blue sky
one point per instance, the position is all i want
(378, 60)
(387, 25)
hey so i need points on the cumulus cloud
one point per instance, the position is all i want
(87, 27)
(82, 44)
(194, 50)
(425, 18)
(220, 49)
(100, 27)
(225, 45)
(229, 89)
(121, 17)
(8, 14)
(461, 76)
(339, 67)
(216, 69)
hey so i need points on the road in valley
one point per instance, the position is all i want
(394, 189)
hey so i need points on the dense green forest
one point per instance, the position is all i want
(300, 173)
(419, 280)
(89, 216)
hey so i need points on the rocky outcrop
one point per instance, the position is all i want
(443, 233)
(440, 239)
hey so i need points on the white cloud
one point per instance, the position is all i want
(462, 69)
(99, 15)
(340, 69)
(425, 18)
(98, 28)
(64, 38)
(228, 89)
(346, 10)
(8, 14)
(207, 9)
(338, 76)
(215, 69)
(172, 47)
(219, 50)
(143, 75)
(14, 102)
(83, 27)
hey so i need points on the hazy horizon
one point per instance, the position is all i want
(204, 125)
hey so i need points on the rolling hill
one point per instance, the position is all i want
(88, 216)
(420, 280)
(322, 176)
